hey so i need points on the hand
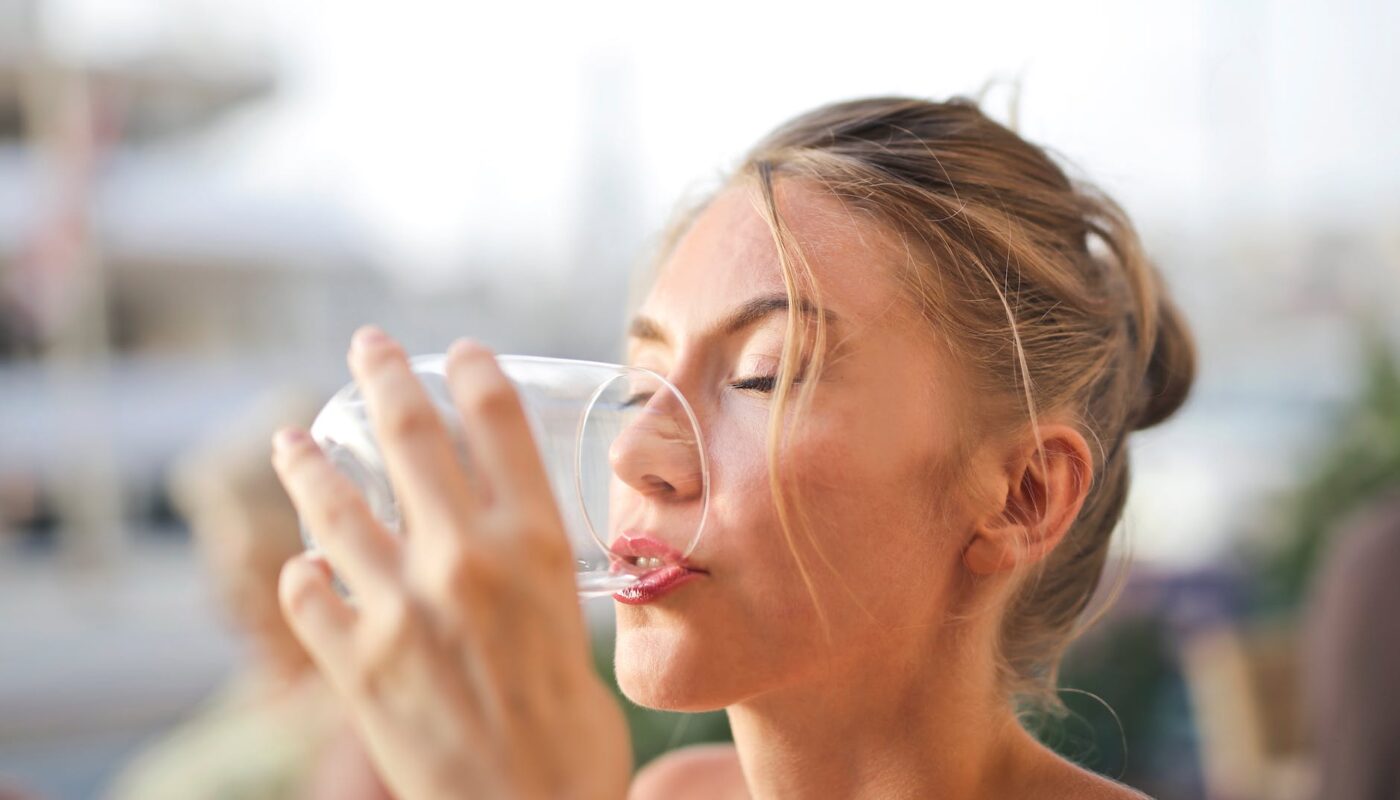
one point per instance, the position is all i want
(463, 657)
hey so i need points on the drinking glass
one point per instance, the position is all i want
(621, 446)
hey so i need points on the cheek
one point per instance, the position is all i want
(879, 513)
(870, 499)
(739, 486)
(743, 525)
(871, 509)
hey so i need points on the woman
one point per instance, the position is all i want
(916, 349)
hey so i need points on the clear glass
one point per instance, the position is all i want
(621, 445)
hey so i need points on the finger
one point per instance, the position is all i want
(320, 619)
(422, 464)
(364, 554)
(503, 445)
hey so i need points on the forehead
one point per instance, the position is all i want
(728, 256)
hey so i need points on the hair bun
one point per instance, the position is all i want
(1171, 369)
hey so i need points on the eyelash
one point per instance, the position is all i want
(757, 383)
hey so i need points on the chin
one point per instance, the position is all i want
(666, 669)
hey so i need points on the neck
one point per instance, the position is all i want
(922, 725)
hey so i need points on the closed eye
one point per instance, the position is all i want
(757, 383)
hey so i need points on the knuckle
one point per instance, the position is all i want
(492, 398)
(411, 420)
(540, 535)
(390, 631)
(478, 572)
(399, 619)
(338, 507)
(366, 677)
(297, 590)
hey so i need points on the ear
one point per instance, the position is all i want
(1038, 501)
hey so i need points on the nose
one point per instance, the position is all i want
(658, 453)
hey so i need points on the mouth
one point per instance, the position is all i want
(659, 566)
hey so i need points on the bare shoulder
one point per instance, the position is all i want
(1073, 782)
(707, 771)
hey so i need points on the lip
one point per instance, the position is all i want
(674, 571)
(633, 544)
(656, 584)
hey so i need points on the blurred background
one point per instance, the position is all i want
(201, 199)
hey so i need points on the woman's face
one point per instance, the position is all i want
(872, 463)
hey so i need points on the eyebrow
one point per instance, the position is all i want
(645, 328)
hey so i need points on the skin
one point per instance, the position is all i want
(464, 660)
(896, 694)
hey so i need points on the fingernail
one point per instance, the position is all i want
(369, 336)
(288, 438)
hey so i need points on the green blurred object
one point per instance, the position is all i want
(1361, 459)
(1127, 715)
(1122, 670)
(656, 732)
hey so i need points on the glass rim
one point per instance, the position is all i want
(439, 361)
(622, 371)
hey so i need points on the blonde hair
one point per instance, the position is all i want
(1037, 283)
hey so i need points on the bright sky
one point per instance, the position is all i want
(454, 127)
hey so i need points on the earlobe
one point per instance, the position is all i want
(1001, 543)
(985, 555)
(1040, 501)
